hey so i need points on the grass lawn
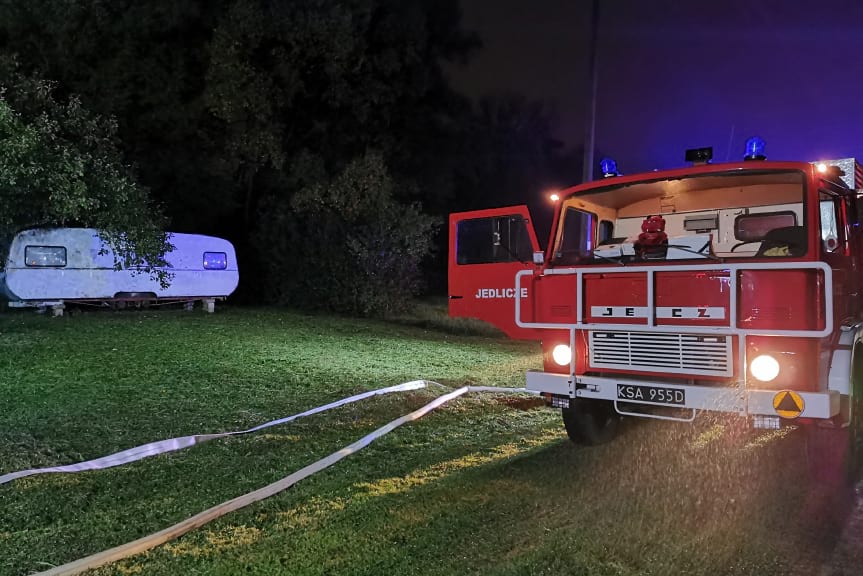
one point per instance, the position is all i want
(480, 486)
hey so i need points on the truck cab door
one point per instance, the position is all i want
(486, 249)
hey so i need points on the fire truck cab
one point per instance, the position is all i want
(715, 287)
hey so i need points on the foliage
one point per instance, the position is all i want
(345, 244)
(218, 100)
(246, 102)
(513, 152)
(331, 78)
(209, 93)
(477, 487)
(59, 166)
(142, 63)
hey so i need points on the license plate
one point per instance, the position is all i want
(655, 394)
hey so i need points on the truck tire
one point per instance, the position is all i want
(829, 455)
(835, 454)
(856, 415)
(591, 422)
(831, 492)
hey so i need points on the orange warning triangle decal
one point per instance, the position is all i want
(788, 404)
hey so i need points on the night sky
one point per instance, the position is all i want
(676, 75)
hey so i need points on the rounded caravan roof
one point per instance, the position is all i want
(84, 244)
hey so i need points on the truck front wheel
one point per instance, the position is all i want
(856, 416)
(835, 453)
(590, 422)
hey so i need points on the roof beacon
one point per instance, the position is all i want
(608, 167)
(754, 149)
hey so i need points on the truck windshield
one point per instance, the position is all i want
(725, 215)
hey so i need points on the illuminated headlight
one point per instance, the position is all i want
(562, 354)
(764, 368)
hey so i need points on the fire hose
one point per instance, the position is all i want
(149, 542)
(173, 444)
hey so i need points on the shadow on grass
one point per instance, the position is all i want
(433, 315)
(665, 499)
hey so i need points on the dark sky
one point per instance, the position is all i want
(676, 75)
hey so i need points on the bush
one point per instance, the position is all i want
(345, 244)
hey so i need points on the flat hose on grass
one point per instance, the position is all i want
(198, 520)
(182, 442)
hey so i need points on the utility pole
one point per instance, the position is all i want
(590, 120)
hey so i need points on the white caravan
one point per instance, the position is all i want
(50, 266)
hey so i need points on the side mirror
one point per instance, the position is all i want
(538, 258)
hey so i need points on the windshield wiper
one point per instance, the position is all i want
(511, 253)
(609, 259)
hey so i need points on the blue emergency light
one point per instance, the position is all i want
(608, 167)
(754, 149)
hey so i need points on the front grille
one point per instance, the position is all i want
(651, 352)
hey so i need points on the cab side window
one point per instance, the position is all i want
(606, 232)
(493, 240)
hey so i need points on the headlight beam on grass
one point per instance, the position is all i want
(173, 444)
(207, 516)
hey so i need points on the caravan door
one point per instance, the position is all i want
(486, 250)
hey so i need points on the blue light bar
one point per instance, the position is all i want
(608, 167)
(754, 149)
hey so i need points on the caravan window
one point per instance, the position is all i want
(44, 256)
(215, 260)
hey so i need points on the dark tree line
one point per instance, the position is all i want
(320, 136)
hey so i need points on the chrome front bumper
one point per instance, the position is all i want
(718, 399)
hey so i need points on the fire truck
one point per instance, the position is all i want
(724, 287)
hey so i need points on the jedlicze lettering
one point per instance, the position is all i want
(487, 293)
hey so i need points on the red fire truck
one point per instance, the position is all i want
(715, 287)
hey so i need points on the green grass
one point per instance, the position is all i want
(478, 487)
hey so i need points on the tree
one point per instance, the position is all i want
(332, 79)
(216, 100)
(345, 244)
(60, 165)
(144, 64)
(335, 78)
(502, 152)
(247, 99)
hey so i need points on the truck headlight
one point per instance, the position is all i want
(764, 368)
(562, 354)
